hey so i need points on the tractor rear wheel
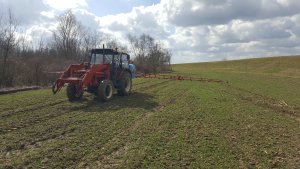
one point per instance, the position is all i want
(72, 92)
(105, 91)
(125, 84)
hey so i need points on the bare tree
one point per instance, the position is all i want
(92, 39)
(68, 36)
(111, 42)
(41, 44)
(8, 30)
(149, 55)
(37, 70)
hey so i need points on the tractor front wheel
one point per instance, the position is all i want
(72, 92)
(125, 84)
(105, 91)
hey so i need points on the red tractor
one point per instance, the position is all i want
(106, 71)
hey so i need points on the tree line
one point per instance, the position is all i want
(25, 64)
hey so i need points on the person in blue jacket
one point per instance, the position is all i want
(132, 69)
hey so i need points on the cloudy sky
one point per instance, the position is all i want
(195, 30)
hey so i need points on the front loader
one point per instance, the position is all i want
(107, 70)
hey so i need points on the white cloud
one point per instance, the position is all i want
(195, 30)
(284, 2)
(26, 11)
(203, 12)
(48, 14)
(65, 4)
(86, 18)
(140, 20)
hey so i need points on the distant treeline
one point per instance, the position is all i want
(22, 63)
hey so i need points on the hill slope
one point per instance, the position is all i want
(250, 122)
(277, 77)
(284, 66)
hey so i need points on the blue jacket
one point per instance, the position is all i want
(132, 70)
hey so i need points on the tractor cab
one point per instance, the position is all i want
(109, 56)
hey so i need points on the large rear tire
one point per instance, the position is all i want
(105, 91)
(72, 92)
(125, 84)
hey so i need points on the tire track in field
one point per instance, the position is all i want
(152, 85)
(61, 131)
(33, 120)
(35, 117)
(51, 131)
(116, 138)
(264, 101)
(40, 140)
(27, 101)
(28, 105)
(39, 103)
(38, 106)
(48, 116)
(114, 104)
(113, 159)
(34, 107)
(31, 108)
(141, 83)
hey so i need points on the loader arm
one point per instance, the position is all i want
(72, 75)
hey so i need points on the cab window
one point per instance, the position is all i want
(108, 59)
(97, 59)
(125, 61)
(117, 60)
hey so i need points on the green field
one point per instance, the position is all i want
(251, 120)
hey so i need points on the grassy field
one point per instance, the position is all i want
(251, 120)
